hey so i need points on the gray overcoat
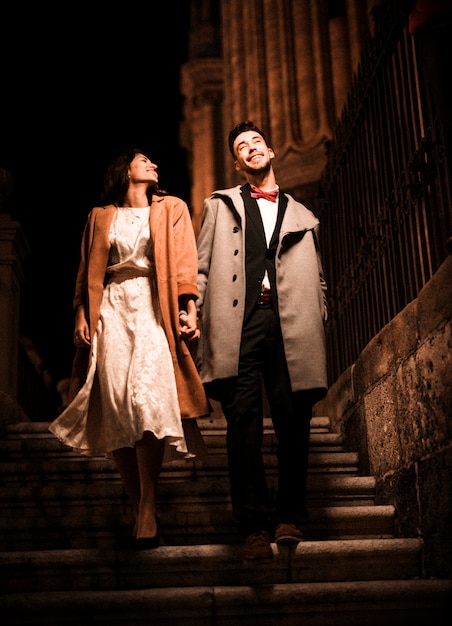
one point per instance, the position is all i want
(300, 285)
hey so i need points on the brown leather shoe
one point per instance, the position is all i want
(288, 533)
(257, 546)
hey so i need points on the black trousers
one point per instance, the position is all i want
(262, 365)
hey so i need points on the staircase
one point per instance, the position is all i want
(66, 556)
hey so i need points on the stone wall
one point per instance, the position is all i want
(394, 406)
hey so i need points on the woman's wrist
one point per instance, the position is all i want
(187, 304)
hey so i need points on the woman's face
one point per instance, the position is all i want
(143, 170)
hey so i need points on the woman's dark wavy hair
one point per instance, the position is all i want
(116, 180)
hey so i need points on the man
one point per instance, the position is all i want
(262, 309)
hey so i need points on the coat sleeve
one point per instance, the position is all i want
(185, 252)
(82, 355)
(81, 281)
(205, 243)
(322, 279)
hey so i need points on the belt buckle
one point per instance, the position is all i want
(264, 298)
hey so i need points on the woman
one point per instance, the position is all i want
(135, 390)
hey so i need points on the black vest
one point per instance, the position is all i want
(259, 257)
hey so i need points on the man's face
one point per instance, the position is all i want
(252, 155)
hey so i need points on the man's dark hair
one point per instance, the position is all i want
(242, 128)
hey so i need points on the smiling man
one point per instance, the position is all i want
(262, 308)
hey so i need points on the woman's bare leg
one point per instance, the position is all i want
(126, 462)
(149, 455)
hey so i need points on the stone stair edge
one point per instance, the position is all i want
(214, 552)
(394, 603)
(207, 423)
(328, 561)
(214, 458)
(64, 489)
(316, 514)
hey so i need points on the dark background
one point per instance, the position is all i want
(79, 84)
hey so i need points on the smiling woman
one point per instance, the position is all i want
(138, 269)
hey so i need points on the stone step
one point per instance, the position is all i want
(64, 513)
(34, 439)
(216, 422)
(95, 468)
(89, 528)
(60, 499)
(322, 488)
(350, 603)
(204, 565)
(67, 555)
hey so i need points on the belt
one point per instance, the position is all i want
(265, 298)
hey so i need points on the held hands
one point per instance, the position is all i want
(188, 320)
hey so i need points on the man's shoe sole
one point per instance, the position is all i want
(286, 534)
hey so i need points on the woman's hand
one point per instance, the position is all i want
(188, 319)
(82, 337)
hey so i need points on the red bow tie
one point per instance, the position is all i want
(268, 195)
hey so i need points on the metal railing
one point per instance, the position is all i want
(384, 197)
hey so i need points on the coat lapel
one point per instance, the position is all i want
(253, 214)
(295, 220)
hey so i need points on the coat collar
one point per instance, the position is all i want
(157, 206)
(296, 218)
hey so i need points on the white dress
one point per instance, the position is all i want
(130, 386)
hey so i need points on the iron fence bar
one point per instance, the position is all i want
(384, 194)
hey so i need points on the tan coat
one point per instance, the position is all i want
(176, 270)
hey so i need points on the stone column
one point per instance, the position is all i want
(277, 73)
(13, 251)
(286, 65)
(203, 135)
